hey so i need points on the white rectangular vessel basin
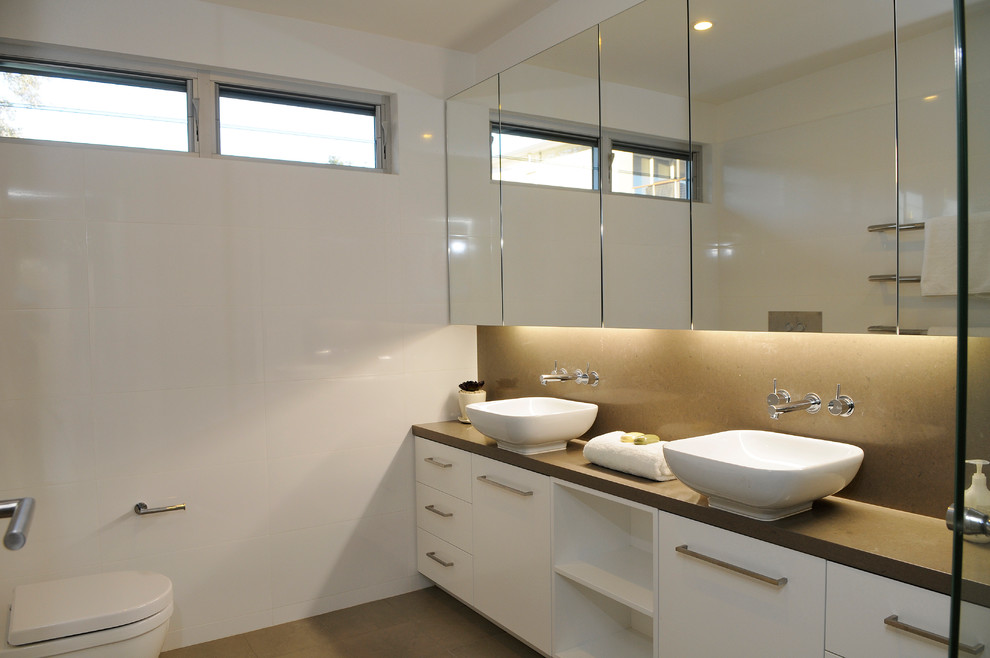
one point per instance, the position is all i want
(762, 475)
(532, 425)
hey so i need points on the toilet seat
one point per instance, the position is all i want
(50, 611)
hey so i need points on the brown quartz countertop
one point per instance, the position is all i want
(907, 547)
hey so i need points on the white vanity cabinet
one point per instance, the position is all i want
(869, 616)
(511, 508)
(725, 594)
(444, 517)
(605, 577)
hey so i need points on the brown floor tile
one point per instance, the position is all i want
(426, 623)
(229, 647)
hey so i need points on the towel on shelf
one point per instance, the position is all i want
(939, 268)
(646, 461)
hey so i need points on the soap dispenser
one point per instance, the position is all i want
(978, 496)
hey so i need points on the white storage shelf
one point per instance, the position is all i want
(622, 643)
(625, 575)
(604, 586)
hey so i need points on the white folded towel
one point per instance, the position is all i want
(939, 268)
(646, 461)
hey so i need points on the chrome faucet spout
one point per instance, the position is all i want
(559, 376)
(811, 402)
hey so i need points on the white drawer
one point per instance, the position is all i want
(444, 468)
(446, 565)
(858, 603)
(444, 516)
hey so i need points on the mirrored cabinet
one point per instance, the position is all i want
(773, 172)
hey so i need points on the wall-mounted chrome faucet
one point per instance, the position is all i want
(779, 402)
(561, 375)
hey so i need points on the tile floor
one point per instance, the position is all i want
(424, 624)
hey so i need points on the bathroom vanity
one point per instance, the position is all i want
(580, 561)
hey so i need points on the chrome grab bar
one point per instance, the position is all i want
(141, 509)
(914, 226)
(911, 278)
(894, 622)
(769, 580)
(19, 511)
(494, 483)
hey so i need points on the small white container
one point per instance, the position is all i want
(978, 497)
(465, 398)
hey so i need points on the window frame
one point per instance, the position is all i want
(202, 97)
(603, 142)
(643, 145)
(305, 95)
(558, 134)
(67, 70)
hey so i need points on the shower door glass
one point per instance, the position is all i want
(972, 562)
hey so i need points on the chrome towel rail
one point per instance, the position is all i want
(878, 228)
(19, 511)
(914, 278)
(891, 329)
(141, 509)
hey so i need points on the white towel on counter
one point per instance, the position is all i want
(646, 461)
(939, 268)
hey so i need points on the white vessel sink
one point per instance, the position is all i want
(532, 425)
(762, 475)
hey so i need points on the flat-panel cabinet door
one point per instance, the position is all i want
(724, 594)
(511, 510)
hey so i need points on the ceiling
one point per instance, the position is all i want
(464, 25)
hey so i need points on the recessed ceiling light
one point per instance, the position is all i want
(701, 26)
(930, 98)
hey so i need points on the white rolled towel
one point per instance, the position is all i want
(646, 461)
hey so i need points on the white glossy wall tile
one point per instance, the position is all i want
(251, 339)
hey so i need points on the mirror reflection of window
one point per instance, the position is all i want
(525, 155)
(648, 174)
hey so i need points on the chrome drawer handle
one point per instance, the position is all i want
(518, 492)
(433, 556)
(894, 622)
(431, 460)
(445, 515)
(776, 582)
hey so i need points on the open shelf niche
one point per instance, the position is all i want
(604, 575)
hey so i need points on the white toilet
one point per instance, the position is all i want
(123, 614)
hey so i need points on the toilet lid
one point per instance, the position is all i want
(59, 608)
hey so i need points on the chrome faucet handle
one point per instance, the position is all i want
(779, 395)
(842, 405)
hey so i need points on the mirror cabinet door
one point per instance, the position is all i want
(474, 249)
(927, 171)
(793, 108)
(546, 145)
(647, 167)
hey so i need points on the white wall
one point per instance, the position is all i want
(251, 339)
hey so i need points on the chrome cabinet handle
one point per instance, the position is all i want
(431, 460)
(769, 580)
(445, 515)
(518, 492)
(894, 622)
(433, 556)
